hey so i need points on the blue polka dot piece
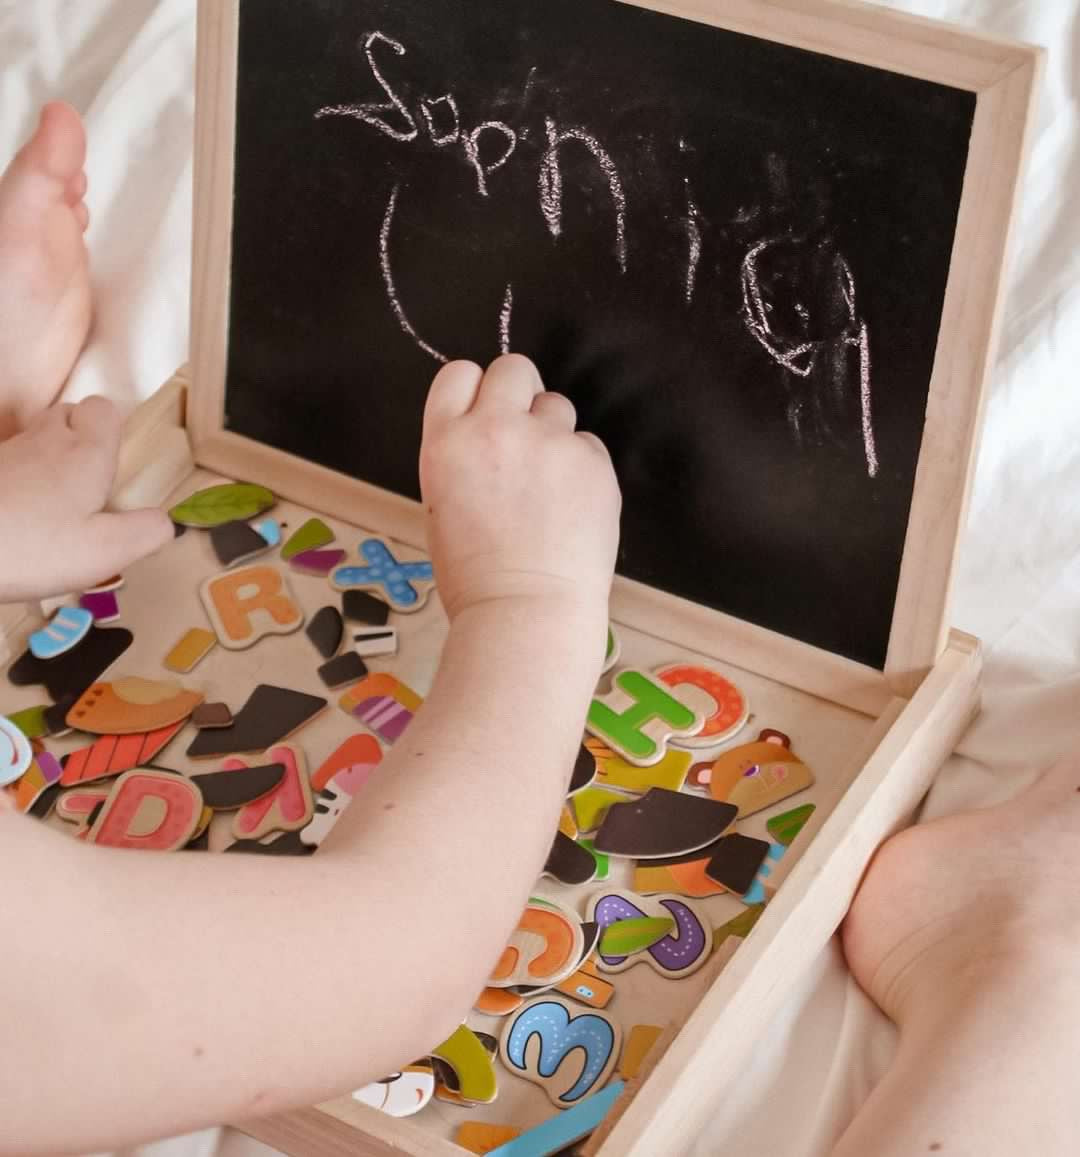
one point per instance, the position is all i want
(561, 1032)
(404, 585)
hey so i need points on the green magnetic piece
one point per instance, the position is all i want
(784, 828)
(603, 863)
(464, 1052)
(230, 502)
(740, 926)
(311, 536)
(625, 937)
(610, 643)
(650, 702)
(31, 722)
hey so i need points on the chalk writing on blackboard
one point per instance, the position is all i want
(799, 297)
(505, 317)
(795, 268)
(427, 111)
(472, 151)
(693, 238)
(551, 182)
(391, 288)
(369, 113)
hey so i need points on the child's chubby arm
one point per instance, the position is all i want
(146, 995)
(55, 536)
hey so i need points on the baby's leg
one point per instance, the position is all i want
(44, 276)
(966, 932)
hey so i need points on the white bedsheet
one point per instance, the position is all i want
(128, 65)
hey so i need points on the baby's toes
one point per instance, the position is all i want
(76, 189)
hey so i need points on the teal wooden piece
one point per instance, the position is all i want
(566, 1129)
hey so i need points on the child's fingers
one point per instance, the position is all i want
(115, 541)
(593, 441)
(555, 409)
(54, 418)
(452, 393)
(511, 384)
(97, 420)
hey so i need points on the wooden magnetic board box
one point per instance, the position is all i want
(760, 245)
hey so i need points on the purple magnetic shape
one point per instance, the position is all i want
(49, 767)
(672, 955)
(322, 561)
(103, 605)
(373, 713)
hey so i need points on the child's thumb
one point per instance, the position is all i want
(115, 541)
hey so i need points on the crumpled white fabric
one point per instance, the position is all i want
(128, 66)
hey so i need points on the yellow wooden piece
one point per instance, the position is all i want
(464, 1052)
(642, 1038)
(193, 646)
(614, 771)
(480, 1137)
(567, 824)
(591, 803)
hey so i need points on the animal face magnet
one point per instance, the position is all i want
(754, 776)
(401, 1094)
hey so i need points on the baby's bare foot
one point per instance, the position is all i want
(977, 898)
(44, 274)
(965, 931)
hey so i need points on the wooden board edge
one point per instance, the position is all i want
(332, 1131)
(166, 409)
(669, 1112)
(869, 34)
(155, 452)
(970, 329)
(17, 620)
(217, 42)
(309, 484)
(757, 649)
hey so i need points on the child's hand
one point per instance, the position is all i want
(54, 482)
(518, 504)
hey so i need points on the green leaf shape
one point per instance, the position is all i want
(784, 828)
(31, 722)
(230, 502)
(311, 536)
(625, 937)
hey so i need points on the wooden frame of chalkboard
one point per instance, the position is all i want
(1000, 74)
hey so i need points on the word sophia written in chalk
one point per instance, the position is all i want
(838, 361)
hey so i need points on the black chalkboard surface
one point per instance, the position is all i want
(730, 254)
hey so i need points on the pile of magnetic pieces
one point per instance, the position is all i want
(636, 795)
